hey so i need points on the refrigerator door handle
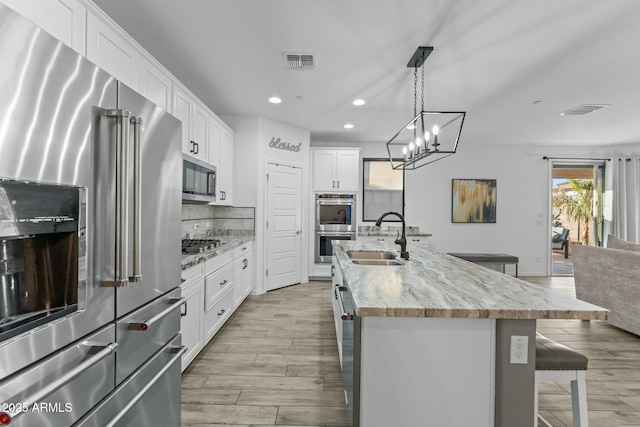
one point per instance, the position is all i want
(137, 194)
(122, 203)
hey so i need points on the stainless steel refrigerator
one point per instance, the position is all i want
(90, 210)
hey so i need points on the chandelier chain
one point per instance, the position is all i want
(415, 91)
(422, 90)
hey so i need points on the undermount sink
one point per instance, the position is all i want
(373, 255)
(385, 262)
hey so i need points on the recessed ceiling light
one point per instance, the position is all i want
(581, 110)
(275, 100)
(348, 126)
(358, 102)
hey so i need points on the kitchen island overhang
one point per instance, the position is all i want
(434, 336)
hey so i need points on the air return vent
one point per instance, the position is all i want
(581, 110)
(300, 61)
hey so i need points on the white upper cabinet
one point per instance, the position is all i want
(63, 19)
(225, 170)
(195, 123)
(215, 136)
(156, 85)
(336, 170)
(111, 51)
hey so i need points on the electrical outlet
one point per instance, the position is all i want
(196, 226)
(207, 225)
(519, 350)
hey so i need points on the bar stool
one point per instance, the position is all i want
(555, 362)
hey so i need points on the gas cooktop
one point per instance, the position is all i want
(198, 246)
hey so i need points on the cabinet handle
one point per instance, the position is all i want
(221, 312)
(193, 147)
(335, 291)
(245, 263)
(380, 240)
(224, 282)
(197, 147)
(333, 185)
(107, 349)
(183, 314)
(347, 316)
(338, 184)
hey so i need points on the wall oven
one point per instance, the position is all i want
(323, 249)
(336, 212)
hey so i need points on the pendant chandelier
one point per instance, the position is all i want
(430, 135)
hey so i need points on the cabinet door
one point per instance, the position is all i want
(215, 137)
(347, 170)
(63, 19)
(108, 49)
(225, 169)
(155, 84)
(247, 273)
(182, 104)
(200, 132)
(192, 321)
(324, 170)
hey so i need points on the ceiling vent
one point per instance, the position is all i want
(581, 110)
(300, 61)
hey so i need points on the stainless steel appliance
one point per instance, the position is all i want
(350, 352)
(323, 248)
(198, 182)
(106, 263)
(335, 220)
(336, 212)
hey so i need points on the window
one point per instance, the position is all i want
(382, 189)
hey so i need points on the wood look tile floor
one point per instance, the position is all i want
(275, 362)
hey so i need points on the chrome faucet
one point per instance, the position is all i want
(400, 240)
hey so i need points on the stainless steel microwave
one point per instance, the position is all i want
(198, 182)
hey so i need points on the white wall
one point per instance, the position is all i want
(523, 183)
(252, 153)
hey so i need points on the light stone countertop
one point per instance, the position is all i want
(391, 231)
(228, 244)
(434, 284)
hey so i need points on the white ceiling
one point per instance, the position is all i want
(492, 59)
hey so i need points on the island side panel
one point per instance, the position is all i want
(515, 382)
(427, 371)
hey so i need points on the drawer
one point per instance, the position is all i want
(238, 251)
(145, 331)
(152, 394)
(216, 283)
(219, 312)
(82, 384)
(219, 261)
(193, 273)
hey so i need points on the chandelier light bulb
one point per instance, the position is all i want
(418, 142)
(435, 129)
(411, 146)
(426, 135)
(404, 150)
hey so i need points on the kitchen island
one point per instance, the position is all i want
(426, 341)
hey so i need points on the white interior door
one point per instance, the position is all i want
(284, 225)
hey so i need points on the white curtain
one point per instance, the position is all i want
(624, 178)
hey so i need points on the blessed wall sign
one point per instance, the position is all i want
(279, 144)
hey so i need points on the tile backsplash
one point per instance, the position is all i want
(203, 221)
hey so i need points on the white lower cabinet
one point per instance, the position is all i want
(213, 290)
(192, 320)
(219, 312)
(243, 271)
